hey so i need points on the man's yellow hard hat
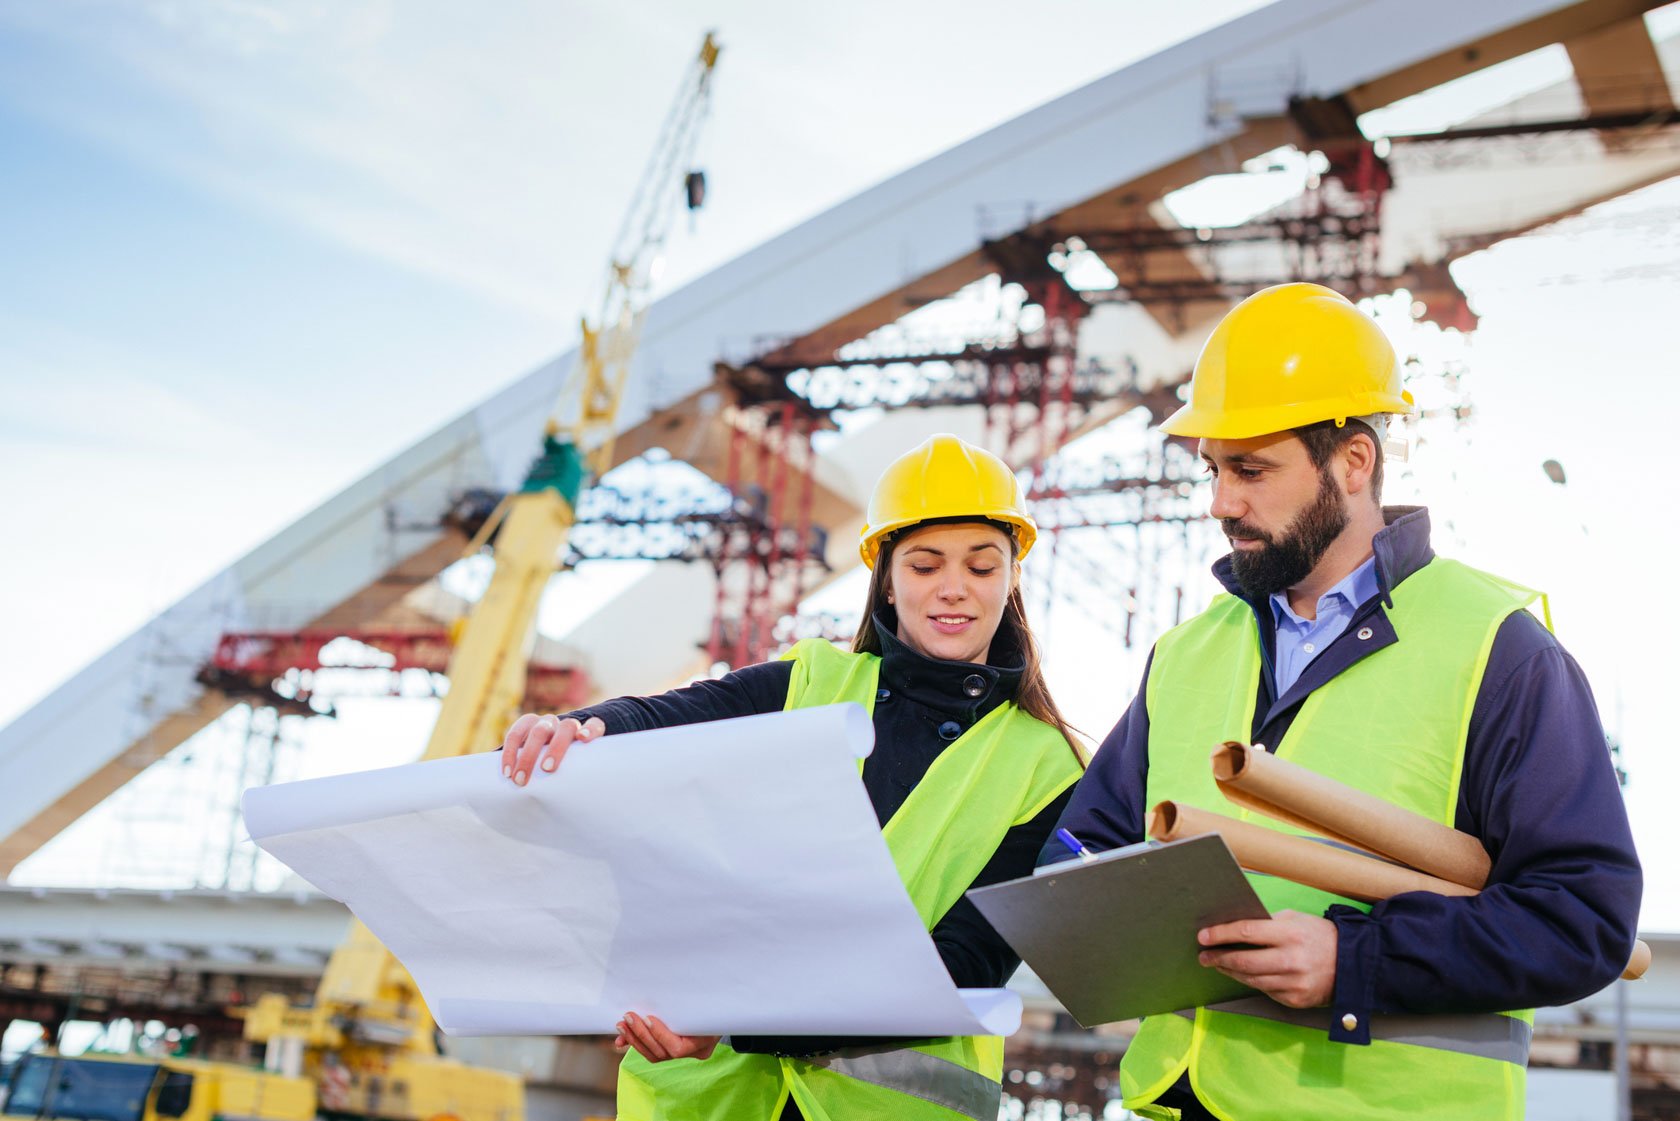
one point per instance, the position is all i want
(945, 478)
(1288, 356)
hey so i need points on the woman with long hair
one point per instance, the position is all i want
(971, 768)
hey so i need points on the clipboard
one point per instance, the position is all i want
(1114, 937)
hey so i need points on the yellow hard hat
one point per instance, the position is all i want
(945, 478)
(1288, 356)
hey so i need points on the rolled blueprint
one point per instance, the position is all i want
(1301, 859)
(1320, 865)
(1257, 780)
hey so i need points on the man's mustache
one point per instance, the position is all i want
(1235, 529)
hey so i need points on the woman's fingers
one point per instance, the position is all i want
(539, 739)
(674, 1045)
(656, 1043)
(515, 739)
(517, 765)
(642, 1039)
(537, 743)
(569, 732)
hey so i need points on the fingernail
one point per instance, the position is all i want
(507, 771)
(519, 778)
(548, 764)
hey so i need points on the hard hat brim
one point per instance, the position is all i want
(1026, 533)
(1243, 424)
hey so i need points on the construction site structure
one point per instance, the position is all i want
(789, 376)
(1295, 76)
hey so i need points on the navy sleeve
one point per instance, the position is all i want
(1107, 810)
(1557, 920)
(748, 691)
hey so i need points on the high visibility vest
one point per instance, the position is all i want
(1001, 773)
(1393, 724)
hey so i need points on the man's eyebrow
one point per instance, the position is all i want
(1242, 459)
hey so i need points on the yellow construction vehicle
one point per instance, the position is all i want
(134, 1088)
(367, 1047)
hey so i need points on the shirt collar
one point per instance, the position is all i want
(1353, 589)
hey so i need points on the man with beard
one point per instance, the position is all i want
(1347, 646)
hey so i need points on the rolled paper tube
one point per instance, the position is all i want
(1300, 859)
(1257, 780)
(1319, 865)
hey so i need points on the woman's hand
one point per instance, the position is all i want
(539, 743)
(655, 1042)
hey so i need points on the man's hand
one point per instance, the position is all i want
(1291, 957)
(655, 1042)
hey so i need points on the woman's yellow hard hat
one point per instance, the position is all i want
(944, 478)
(1288, 356)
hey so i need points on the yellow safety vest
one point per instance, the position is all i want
(999, 774)
(1393, 724)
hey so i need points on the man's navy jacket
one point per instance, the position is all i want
(1557, 919)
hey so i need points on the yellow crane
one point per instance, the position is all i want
(367, 1047)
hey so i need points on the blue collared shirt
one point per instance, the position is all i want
(1300, 640)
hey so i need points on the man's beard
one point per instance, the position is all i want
(1286, 560)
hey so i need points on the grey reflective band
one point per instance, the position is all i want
(1489, 1035)
(920, 1075)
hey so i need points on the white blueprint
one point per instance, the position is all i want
(727, 877)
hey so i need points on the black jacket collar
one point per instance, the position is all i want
(944, 685)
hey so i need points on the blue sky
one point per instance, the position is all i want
(251, 249)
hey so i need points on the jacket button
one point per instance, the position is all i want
(1349, 1021)
(974, 685)
(950, 730)
(883, 695)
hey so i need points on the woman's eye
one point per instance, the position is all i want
(982, 571)
(921, 569)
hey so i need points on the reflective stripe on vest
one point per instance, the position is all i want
(1002, 772)
(1492, 1035)
(1394, 724)
(940, 1081)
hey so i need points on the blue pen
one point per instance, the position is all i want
(1074, 846)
